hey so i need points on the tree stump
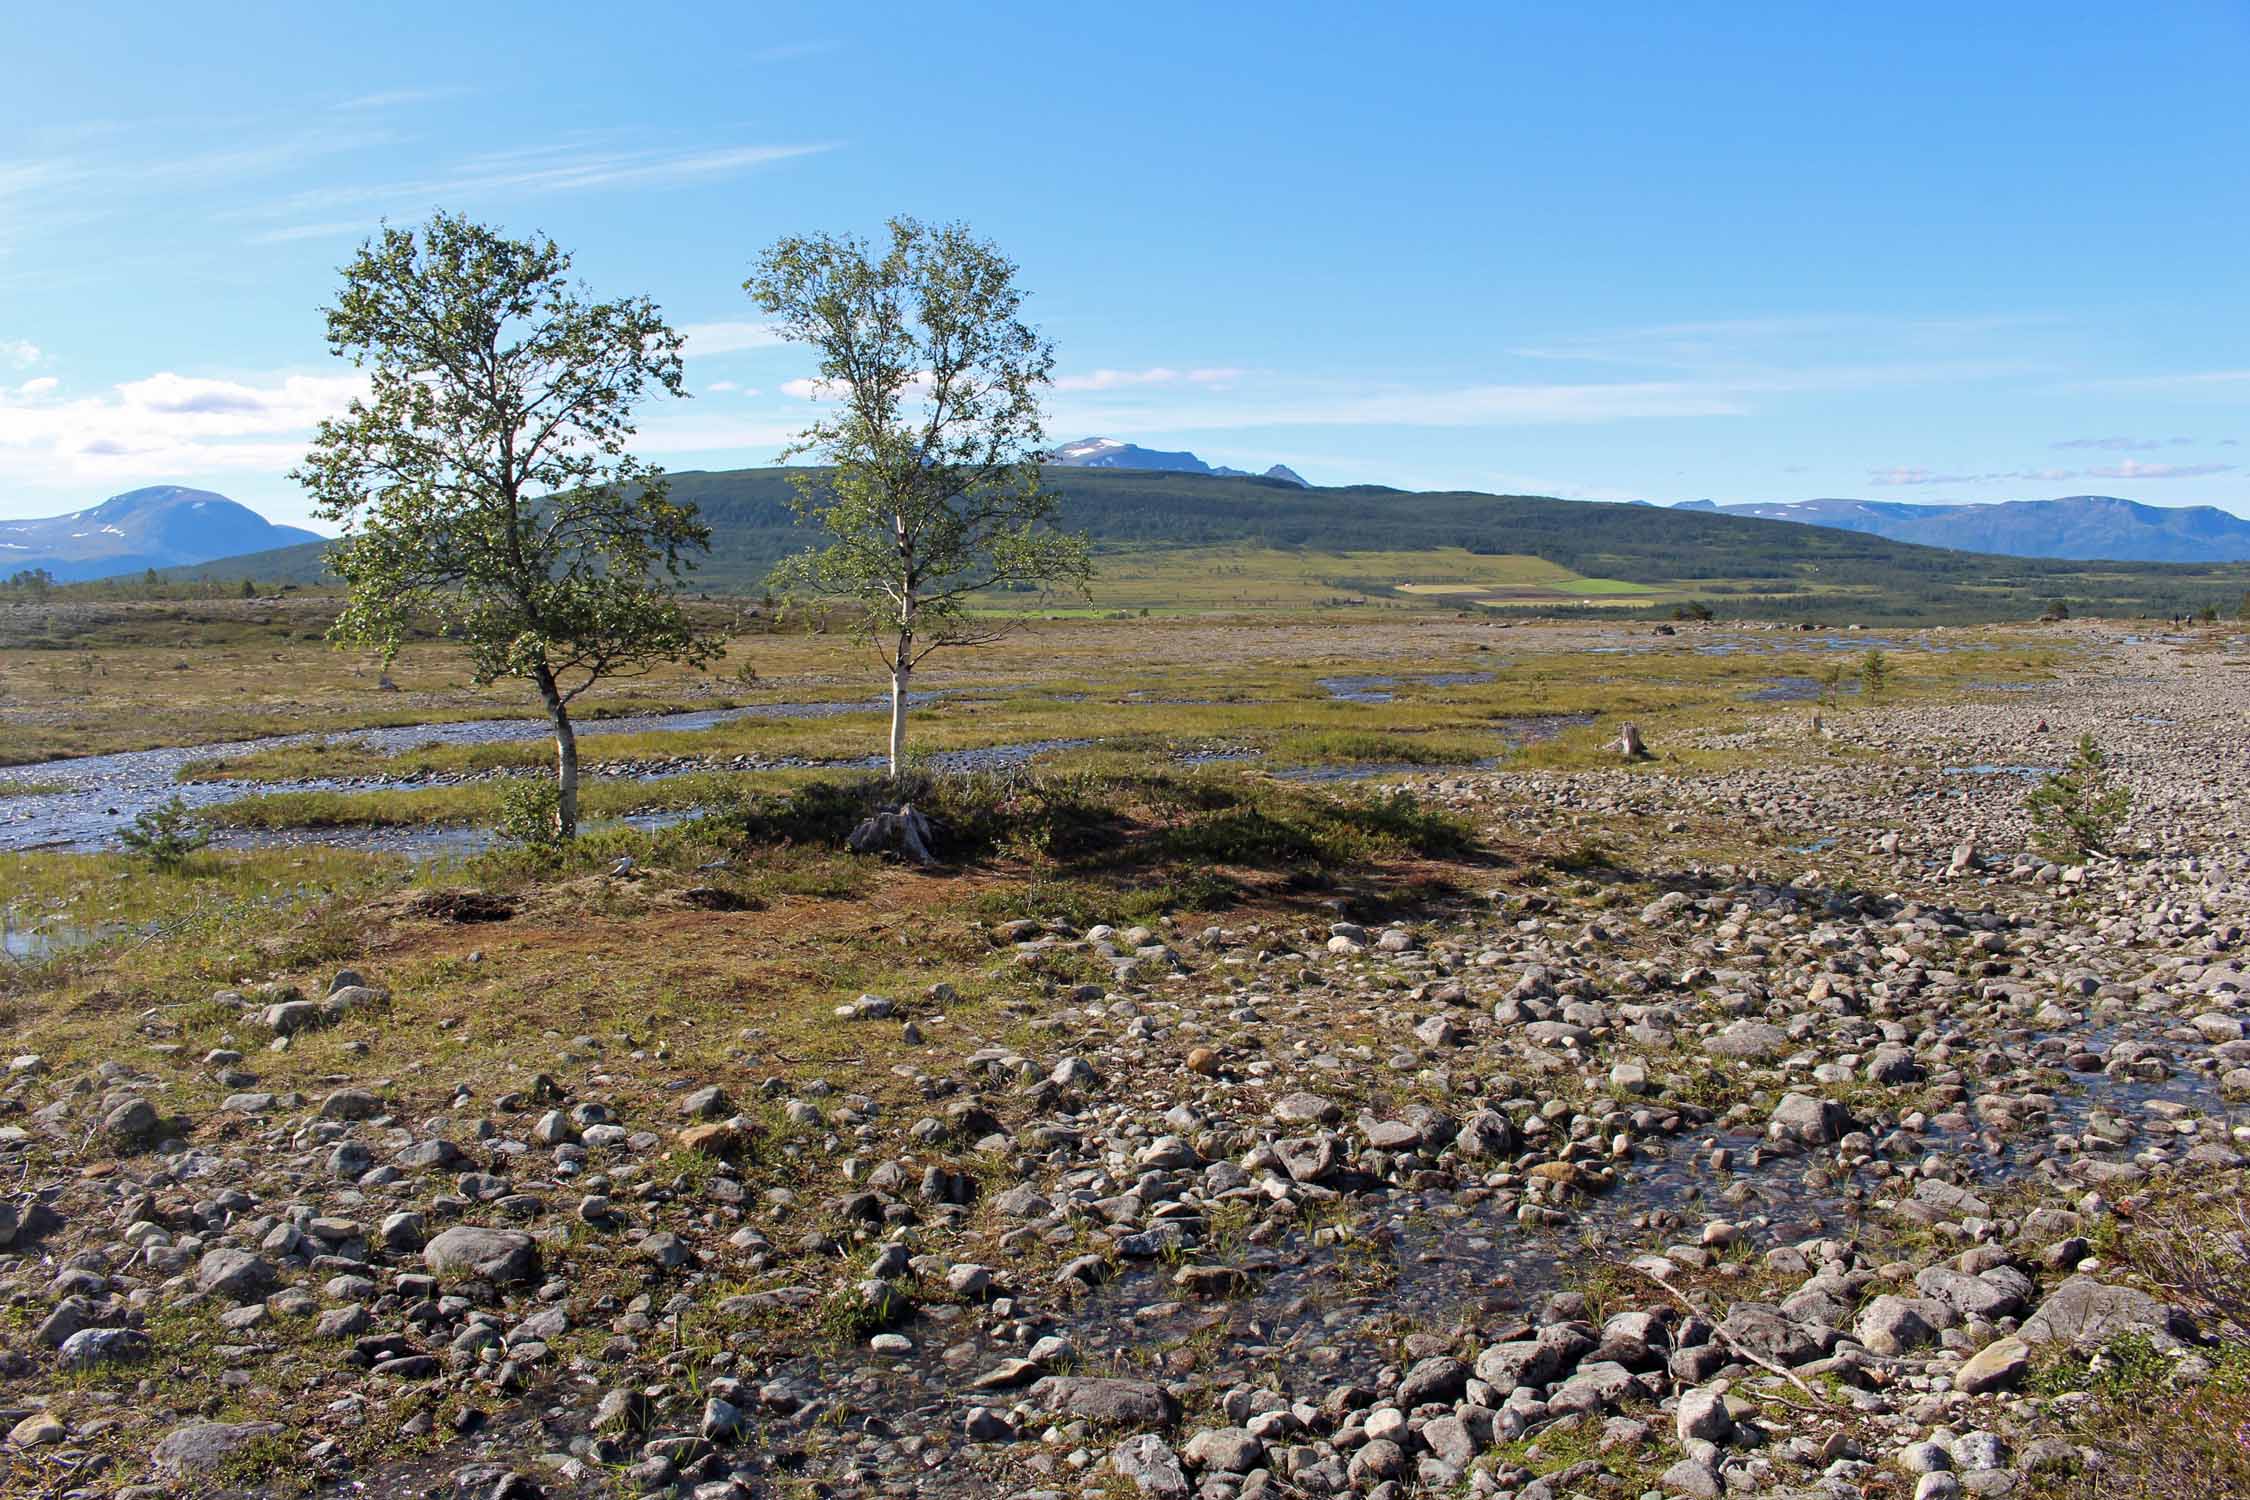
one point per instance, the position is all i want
(1629, 744)
(902, 831)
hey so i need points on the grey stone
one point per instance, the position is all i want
(92, 1347)
(1154, 1469)
(1996, 1367)
(497, 1255)
(1104, 1399)
(1225, 1450)
(1687, 1477)
(1703, 1417)
(202, 1446)
(1892, 1325)
(2088, 1314)
(235, 1273)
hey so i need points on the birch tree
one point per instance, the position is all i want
(483, 481)
(931, 438)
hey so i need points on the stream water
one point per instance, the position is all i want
(97, 794)
(90, 798)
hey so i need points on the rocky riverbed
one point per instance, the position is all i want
(1644, 1171)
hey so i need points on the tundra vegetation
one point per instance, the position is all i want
(1315, 1060)
(1772, 1116)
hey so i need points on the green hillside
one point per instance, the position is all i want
(1739, 565)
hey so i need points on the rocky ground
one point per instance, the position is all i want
(1643, 1172)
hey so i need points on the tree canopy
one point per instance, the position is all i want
(484, 479)
(930, 383)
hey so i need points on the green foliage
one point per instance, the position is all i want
(2077, 811)
(1874, 672)
(933, 493)
(1693, 609)
(529, 809)
(2128, 1368)
(34, 584)
(165, 836)
(1831, 680)
(484, 480)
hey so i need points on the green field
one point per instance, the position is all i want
(1188, 580)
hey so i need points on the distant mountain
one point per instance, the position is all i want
(1743, 566)
(163, 526)
(1114, 453)
(2080, 527)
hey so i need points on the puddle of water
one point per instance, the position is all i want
(38, 942)
(1795, 690)
(101, 793)
(453, 840)
(2030, 773)
(1378, 689)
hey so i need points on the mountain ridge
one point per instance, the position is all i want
(1769, 569)
(158, 526)
(2078, 528)
(1115, 453)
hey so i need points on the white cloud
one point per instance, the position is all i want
(2110, 444)
(726, 338)
(2219, 382)
(168, 425)
(22, 353)
(2131, 468)
(917, 387)
(393, 98)
(42, 386)
(1109, 380)
(334, 229)
(1910, 474)
(1402, 406)
(526, 172)
(1746, 345)
(2135, 469)
(721, 387)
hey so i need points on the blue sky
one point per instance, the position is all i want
(1625, 251)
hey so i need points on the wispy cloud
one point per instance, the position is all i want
(1899, 474)
(1745, 346)
(727, 338)
(1110, 380)
(2134, 469)
(2186, 383)
(333, 229)
(122, 174)
(1301, 404)
(22, 353)
(2125, 444)
(2110, 444)
(534, 172)
(396, 98)
(1909, 474)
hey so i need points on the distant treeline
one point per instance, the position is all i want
(1749, 567)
